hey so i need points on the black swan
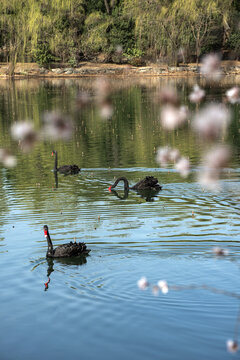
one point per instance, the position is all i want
(148, 183)
(64, 250)
(65, 169)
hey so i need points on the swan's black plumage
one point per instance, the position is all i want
(65, 169)
(148, 183)
(65, 250)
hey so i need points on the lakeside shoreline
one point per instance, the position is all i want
(84, 69)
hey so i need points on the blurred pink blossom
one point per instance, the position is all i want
(172, 117)
(24, 132)
(83, 99)
(119, 49)
(167, 154)
(209, 179)
(174, 154)
(214, 161)
(218, 157)
(167, 96)
(7, 159)
(103, 91)
(219, 251)
(197, 94)
(155, 290)
(183, 166)
(163, 156)
(233, 95)
(211, 121)
(102, 88)
(163, 286)
(57, 126)
(181, 54)
(211, 67)
(106, 110)
(142, 283)
(232, 345)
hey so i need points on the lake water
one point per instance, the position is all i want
(93, 308)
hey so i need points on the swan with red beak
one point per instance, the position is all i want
(71, 249)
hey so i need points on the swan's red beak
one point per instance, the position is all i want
(52, 153)
(45, 233)
(110, 188)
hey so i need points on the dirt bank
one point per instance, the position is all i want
(25, 70)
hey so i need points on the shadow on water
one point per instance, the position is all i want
(56, 179)
(75, 261)
(147, 194)
(121, 197)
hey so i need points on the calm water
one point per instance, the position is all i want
(93, 308)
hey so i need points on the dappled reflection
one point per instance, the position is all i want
(76, 261)
(147, 194)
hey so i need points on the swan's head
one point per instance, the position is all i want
(110, 188)
(45, 228)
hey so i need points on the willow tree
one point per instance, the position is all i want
(159, 27)
(67, 19)
(57, 23)
(28, 23)
(176, 32)
(225, 10)
(13, 20)
(147, 16)
(95, 37)
(199, 16)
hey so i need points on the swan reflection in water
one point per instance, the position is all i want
(56, 180)
(148, 195)
(75, 261)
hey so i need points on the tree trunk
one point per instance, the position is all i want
(13, 60)
(107, 6)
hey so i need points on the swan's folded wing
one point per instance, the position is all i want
(70, 250)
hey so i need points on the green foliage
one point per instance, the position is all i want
(86, 28)
(42, 54)
(62, 23)
(134, 56)
(234, 42)
(94, 5)
(134, 52)
(213, 41)
(73, 61)
(122, 33)
(95, 38)
(236, 5)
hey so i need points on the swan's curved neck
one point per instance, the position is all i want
(122, 178)
(56, 161)
(50, 246)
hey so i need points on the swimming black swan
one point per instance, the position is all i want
(65, 169)
(64, 250)
(148, 183)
